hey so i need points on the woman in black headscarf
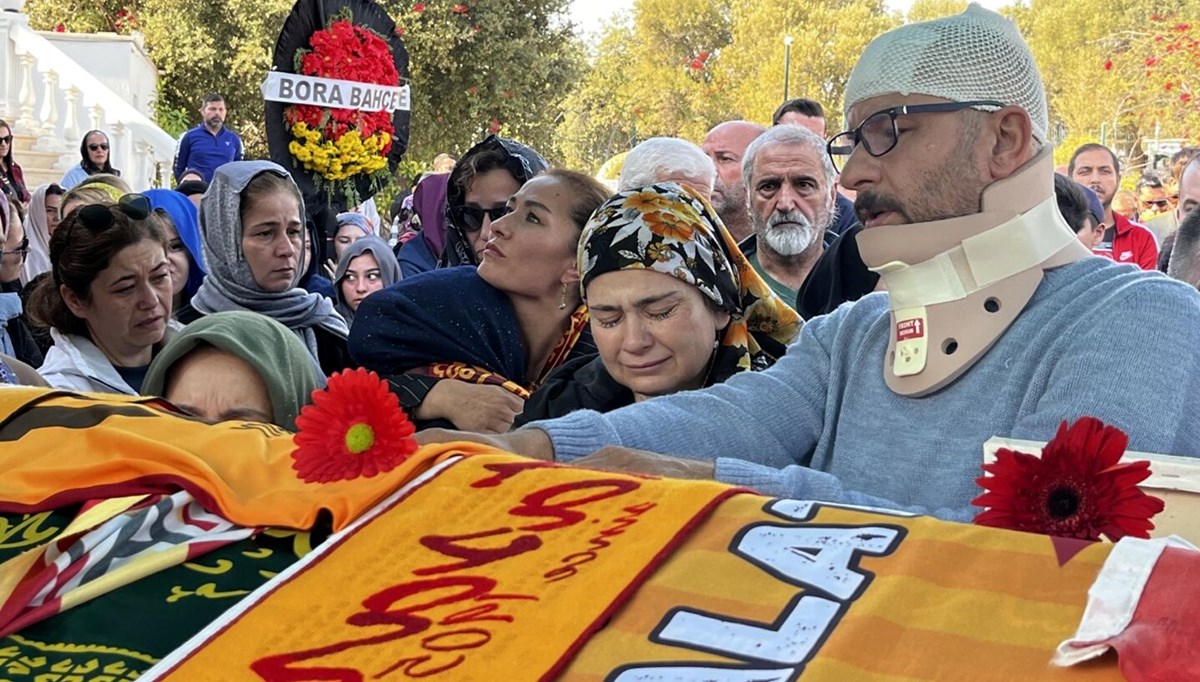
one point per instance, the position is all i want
(479, 188)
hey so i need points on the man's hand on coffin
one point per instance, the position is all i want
(616, 458)
(532, 443)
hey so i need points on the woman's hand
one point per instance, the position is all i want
(330, 269)
(482, 408)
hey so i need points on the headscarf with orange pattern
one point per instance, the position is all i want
(669, 228)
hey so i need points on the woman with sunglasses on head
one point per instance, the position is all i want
(479, 188)
(94, 158)
(12, 179)
(252, 224)
(466, 346)
(108, 299)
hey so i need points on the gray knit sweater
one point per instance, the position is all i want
(1097, 339)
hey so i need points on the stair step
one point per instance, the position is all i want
(36, 177)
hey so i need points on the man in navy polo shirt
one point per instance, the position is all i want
(209, 144)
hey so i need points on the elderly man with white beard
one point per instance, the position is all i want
(791, 194)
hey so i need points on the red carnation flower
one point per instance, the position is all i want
(419, 7)
(1185, 98)
(60, 29)
(1077, 489)
(460, 9)
(494, 125)
(1108, 65)
(354, 428)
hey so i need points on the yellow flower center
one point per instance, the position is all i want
(359, 438)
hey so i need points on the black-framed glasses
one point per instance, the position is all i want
(22, 249)
(94, 147)
(470, 218)
(878, 133)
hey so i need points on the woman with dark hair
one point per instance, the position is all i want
(95, 158)
(108, 301)
(467, 345)
(252, 221)
(12, 179)
(478, 191)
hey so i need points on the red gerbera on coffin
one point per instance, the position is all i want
(354, 428)
(1078, 488)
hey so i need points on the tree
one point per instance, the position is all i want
(679, 68)
(828, 36)
(924, 10)
(503, 65)
(1107, 68)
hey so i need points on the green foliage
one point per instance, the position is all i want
(497, 66)
(679, 68)
(507, 64)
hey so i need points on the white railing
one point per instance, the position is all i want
(47, 94)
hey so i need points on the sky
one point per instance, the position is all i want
(589, 15)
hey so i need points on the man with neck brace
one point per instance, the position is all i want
(997, 321)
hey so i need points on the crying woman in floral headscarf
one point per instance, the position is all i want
(674, 306)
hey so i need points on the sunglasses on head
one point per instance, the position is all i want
(100, 217)
(94, 147)
(470, 218)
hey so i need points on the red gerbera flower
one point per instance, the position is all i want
(1077, 489)
(354, 428)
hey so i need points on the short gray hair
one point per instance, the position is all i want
(658, 157)
(792, 136)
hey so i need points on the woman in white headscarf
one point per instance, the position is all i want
(40, 223)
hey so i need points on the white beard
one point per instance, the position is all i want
(790, 240)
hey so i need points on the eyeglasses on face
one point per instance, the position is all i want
(878, 133)
(96, 147)
(22, 249)
(7, 139)
(470, 218)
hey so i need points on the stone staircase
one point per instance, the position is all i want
(39, 167)
(49, 99)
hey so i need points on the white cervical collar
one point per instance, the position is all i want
(956, 285)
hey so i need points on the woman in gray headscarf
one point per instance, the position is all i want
(366, 266)
(252, 223)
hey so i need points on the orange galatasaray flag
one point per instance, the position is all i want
(50, 440)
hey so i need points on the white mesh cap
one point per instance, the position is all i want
(975, 55)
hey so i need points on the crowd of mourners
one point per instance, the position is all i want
(728, 306)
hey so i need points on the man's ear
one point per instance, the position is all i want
(1012, 141)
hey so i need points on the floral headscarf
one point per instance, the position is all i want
(671, 229)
